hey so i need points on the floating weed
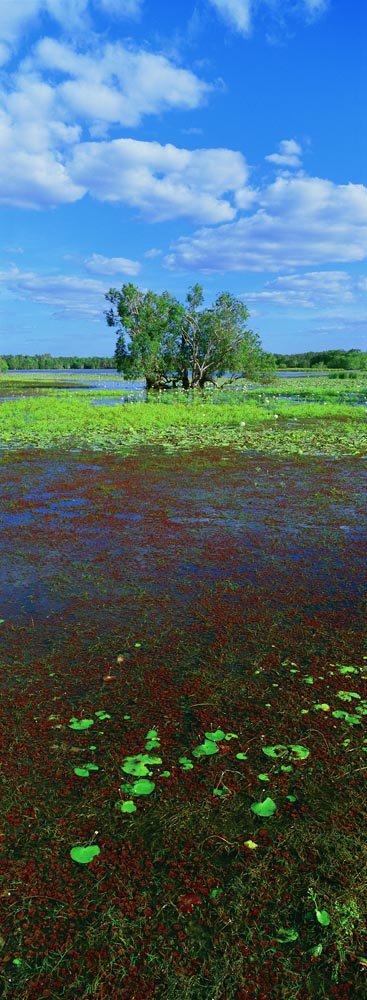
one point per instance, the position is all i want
(265, 808)
(143, 787)
(186, 763)
(83, 772)
(286, 935)
(216, 737)
(322, 916)
(353, 720)
(80, 723)
(279, 750)
(126, 807)
(83, 855)
(347, 695)
(251, 844)
(205, 749)
(138, 765)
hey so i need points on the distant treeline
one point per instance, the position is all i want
(43, 362)
(354, 358)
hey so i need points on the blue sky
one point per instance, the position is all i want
(218, 141)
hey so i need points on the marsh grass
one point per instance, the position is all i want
(247, 419)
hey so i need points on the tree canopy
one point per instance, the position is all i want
(170, 344)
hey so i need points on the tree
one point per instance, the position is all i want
(170, 345)
(3, 365)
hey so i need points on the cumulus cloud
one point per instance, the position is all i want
(97, 264)
(237, 13)
(289, 154)
(116, 84)
(71, 15)
(63, 293)
(310, 290)
(46, 163)
(300, 221)
(163, 182)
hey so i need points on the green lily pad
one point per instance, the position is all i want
(205, 749)
(83, 855)
(353, 720)
(143, 787)
(275, 751)
(80, 723)
(316, 950)
(82, 772)
(263, 777)
(135, 767)
(323, 917)
(347, 695)
(287, 934)
(217, 736)
(126, 807)
(102, 715)
(299, 751)
(241, 756)
(152, 734)
(186, 764)
(348, 670)
(265, 808)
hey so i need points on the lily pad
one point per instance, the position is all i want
(205, 749)
(80, 723)
(241, 756)
(299, 751)
(186, 764)
(287, 934)
(265, 808)
(276, 751)
(143, 787)
(323, 917)
(216, 736)
(83, 855)
(126, 807)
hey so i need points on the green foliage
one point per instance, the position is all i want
(171, 345)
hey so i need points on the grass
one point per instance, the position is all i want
(245, 419)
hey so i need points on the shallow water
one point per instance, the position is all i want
(235, 547)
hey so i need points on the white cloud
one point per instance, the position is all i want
(300, 221)
(289, 154)
(97, 264)
(121, 8)
(64, 294)
(151, 254)
(311, 290)
(72, 15)
(237, 13)
(116, 84)
(57, 93)
(163, 182)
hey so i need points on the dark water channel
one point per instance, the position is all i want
(194, 552)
